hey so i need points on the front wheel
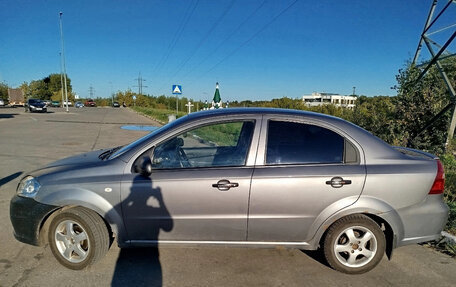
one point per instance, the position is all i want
(354, 244)
(78, 238)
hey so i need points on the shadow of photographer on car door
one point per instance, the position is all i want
(145, 215)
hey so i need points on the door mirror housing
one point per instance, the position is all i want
(144, 166)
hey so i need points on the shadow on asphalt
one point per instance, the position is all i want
(47, 112)
(7, 116)
(9, 178)
(138, 267)
(317, 255)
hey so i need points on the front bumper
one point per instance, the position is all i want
(26, 216)
(38, 109)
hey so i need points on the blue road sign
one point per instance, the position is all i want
(177, 89)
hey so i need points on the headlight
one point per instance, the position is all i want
(28, 187)
(32, 106)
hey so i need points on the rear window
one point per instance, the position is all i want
(297, 143)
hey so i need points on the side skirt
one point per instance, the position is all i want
(255, 244)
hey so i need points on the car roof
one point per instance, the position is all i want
(257, 111)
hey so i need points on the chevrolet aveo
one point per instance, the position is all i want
(238, 177)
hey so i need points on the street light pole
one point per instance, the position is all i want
(61, 78)
(63, 61)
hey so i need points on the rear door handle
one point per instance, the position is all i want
(338, 182)
(224, 185)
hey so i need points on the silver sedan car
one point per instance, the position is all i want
(238, 177)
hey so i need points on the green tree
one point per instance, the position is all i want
(47, 88)
(418, 102)
(377, 115)
(4, 92)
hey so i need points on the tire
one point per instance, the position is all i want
(78, 238)
(354, 244)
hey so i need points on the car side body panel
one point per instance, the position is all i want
(294, 212)
(95, 186)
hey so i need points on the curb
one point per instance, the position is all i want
(449, 238)
(147, 116)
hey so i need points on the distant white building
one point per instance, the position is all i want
(318, 99)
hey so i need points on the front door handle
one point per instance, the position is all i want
(338, 182)
(224, 185)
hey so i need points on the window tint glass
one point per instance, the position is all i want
(222, 144)
(295, 143)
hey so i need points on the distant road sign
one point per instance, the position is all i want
(177, 89)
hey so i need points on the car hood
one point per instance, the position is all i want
(80, 159)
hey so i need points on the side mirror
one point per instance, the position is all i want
(144, 166)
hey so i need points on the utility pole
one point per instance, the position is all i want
(91, 92)
(140, 84)
(61, 78)
(112, 94)
(63, 61)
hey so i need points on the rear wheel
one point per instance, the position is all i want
(354, 244)
(78, 238)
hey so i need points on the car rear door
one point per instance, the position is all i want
(305, 171)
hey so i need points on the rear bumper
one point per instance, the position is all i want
(26, 216)
(424, 221)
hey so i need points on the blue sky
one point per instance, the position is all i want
(325, 46)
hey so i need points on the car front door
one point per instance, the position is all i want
(199, 186)
(307, 169)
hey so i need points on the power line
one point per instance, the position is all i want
(251, 38)
(205, 37)
(201, 42)
(176, 37)
(227, 38)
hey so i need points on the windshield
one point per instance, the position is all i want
(142, 140)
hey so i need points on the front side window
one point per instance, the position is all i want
(220, 144)
(297, 143)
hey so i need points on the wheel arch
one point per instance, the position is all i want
(379, 211)
(71, 198)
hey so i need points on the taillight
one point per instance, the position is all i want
(439, 183)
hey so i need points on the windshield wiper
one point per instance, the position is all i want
(106, 154)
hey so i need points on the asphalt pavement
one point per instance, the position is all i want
(30, 140)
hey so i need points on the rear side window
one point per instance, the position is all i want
(297, 143)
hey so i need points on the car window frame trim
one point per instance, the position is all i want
(261, 157)
(251, 154)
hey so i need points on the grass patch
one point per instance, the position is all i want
(451, 224)
(220, 134)
(159, 115)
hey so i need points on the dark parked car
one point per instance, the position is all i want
(78, 105)
(35, 105)
(116, 105)
(55, 104)
(238, 177)
(90, 103)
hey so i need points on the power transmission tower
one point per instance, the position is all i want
(91, 92)
(140, 84)
(438, 52)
